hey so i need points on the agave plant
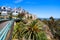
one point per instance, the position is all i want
(34, 31)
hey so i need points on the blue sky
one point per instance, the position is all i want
(40, 8)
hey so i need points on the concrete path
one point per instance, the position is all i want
(2, 25)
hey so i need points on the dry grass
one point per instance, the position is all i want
(14, 39)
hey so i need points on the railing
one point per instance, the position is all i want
(5, 30)
(3, 19)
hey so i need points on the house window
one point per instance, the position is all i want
(4, 8)
(0, 7)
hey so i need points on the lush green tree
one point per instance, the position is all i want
(0, 14)
(52, 24)
(10, 16)
(20, 16)
(51, 19)
(30, 17)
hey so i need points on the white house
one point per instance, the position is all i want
(15, 12)
(4, 13)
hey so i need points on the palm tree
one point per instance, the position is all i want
(31, 31)
(34, 31)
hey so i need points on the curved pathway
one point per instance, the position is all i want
(2, 25)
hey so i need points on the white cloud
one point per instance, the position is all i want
(18, 1)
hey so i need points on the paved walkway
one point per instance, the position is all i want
(2, 25)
